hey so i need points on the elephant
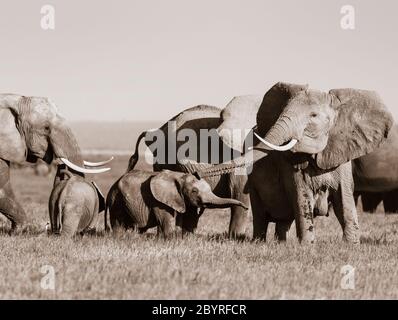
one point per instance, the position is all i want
(376, 176)
(143, 200)
(305, 141)
(205, 117)
(74, 204)
(32, 129)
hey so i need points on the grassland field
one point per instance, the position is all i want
(206, 265)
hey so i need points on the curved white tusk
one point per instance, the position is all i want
(275, 147)
(97, 164)
(83, 170)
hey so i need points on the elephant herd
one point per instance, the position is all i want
(287, 156)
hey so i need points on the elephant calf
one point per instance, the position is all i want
(74, 203)
(142, 199)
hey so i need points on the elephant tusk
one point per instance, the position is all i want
(97, 164)
(286, 147)
(83, 170)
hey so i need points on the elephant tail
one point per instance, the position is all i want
(60, 205)
(134, 158)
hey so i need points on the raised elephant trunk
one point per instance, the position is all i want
(280, 133)
(276, 136)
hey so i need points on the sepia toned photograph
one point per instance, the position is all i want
(182, 150)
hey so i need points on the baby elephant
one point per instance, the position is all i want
(74, 203)
(142, 200)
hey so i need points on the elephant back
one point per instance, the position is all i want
(200, 120)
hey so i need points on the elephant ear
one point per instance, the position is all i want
(101, 198)
(13, 146)
(165, 188)
(361, 125)
(274, 101)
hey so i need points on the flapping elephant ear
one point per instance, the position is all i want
(274, 101)
(361, 125)
(166, 189)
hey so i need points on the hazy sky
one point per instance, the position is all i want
(147, 60)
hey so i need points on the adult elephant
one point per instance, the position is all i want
(376, 176)
(306, 139)
(31, 129)
(200, 124)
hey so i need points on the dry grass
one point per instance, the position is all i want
(203, 266)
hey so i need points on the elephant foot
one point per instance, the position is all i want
(237, 236)
(352, 236)
(308, 236)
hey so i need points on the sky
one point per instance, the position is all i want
(141, 60)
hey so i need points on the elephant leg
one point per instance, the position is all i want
(92, 226)
(188, 221)
(260, 218)
(304, 218)
(390, 201)
(9, 206)
(119, 218)
(346, 212)
(165, 221)
(370, 201)
(282, 230)
(304, 202)
(239, 216)
(70, 221)
(237, 224)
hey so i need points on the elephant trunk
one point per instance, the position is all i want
(227, 167)
(212, 201)
(64, 143)
(281, 132)
(65, 147)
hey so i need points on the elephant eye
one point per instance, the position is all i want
(313, 115)
(195, 190)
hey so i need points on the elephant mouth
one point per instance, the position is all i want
(48, 156)
(31, 158)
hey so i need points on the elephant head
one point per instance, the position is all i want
(333, 127)
(32, 129)
(177, 190)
